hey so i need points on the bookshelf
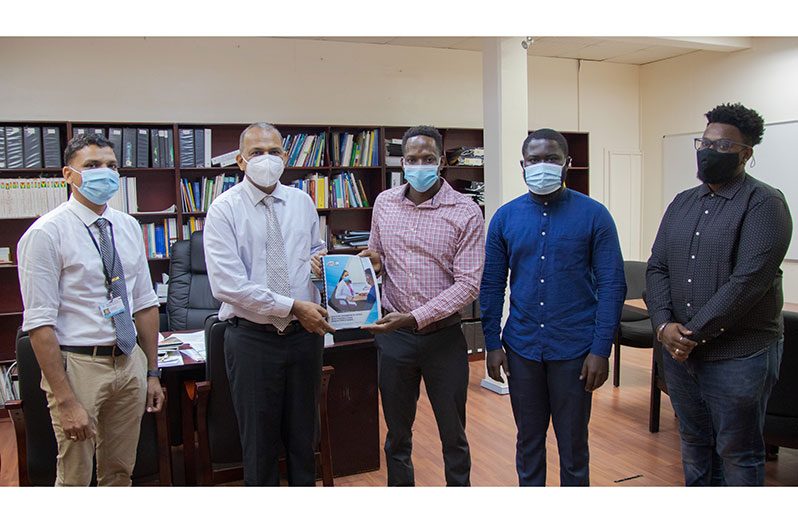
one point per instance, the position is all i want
(159, 188)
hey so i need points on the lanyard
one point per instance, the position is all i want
(106, 273)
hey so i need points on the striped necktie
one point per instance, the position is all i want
(123, 323)
(276, 262)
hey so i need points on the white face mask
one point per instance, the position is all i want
(265, 170)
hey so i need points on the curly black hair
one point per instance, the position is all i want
(748, 121)
(424, 130)
(546, 134)
(84, 140)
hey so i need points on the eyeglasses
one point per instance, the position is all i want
(722, 146)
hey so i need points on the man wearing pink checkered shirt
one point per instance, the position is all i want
(427, 241)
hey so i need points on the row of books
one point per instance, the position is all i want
(193, 224)
(9, 389)
(137, 147)
(359, 150)
(195, 147)
(197, 195)
(30, 197)
(159, 237)
(30, 147)
(305, 150)
(340, 191)
(126, 198)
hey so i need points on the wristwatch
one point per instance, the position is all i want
(154, 373)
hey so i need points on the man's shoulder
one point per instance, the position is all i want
(50, 222)
(761, 191)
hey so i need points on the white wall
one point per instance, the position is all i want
(676, 93)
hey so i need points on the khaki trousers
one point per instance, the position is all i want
(113, 390)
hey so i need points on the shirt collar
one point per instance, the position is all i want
(446, 195)
(564, 195)
(86, 215)
(256, 195)
(728, 190)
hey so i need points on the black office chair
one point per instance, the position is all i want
(36, 446)
(635, 328)
(781, 415)
(189, 299)
(658, 386)
(217, 455)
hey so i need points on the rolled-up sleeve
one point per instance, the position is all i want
(39, 266)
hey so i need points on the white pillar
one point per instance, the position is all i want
(505, 105)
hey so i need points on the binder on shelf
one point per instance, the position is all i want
(115, 137)
(14, 156)
(169, 147)
(2, 147)
(142, 148)
(32, 147)
(162, 145)
(186, 147)
(79, 131)
(51, 145)
(155, 149)
(207, 159)
(199, 148)
(128, 147)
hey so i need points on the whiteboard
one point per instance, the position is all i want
(774, 166)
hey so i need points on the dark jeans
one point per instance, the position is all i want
(721, 409)
(543, 391)
(441, 358)
(275, 382)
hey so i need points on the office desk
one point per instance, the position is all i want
(352, 404)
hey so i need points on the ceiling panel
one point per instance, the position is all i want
(651, 54)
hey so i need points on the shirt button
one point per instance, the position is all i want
(692, 257)
(688, 304)
(542, 257)
(689, 280)
(541, 325)
(543, 233)
(722, 329)
(697, 233)
(545, 214)
(542, 280)
(545, 203)
(541, 304)
(706, 212)
(410, 274)
(703, 341)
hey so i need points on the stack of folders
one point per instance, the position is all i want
(317, 186)
(126, 198)
(393, 152)
(9, 389)
(195, 147)
(305, 150)
(347, 191)
(30, 197)
(476, 190)
(466, 156)
(29, 147)
(192, 224)
(359, 150)
(353, 239)
(159, 237)
(197, 195)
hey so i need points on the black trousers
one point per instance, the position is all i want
(275, 382)
(441, 358)
(544, 392)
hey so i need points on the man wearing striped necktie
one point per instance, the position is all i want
(92, 316)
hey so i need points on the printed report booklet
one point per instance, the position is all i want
(353, 298)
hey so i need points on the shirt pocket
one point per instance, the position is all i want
(570, 254)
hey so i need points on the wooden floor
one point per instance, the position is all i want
(620, 444)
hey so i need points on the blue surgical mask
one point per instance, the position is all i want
(421, 177)
(98, 185)
(543, 178)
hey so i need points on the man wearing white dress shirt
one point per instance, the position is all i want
(259, 238)
(85, 280)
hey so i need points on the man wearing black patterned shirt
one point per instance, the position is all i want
(714, 291)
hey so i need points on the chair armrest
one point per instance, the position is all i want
(14, 408)
(194, 402)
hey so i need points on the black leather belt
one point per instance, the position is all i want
(94, 350)
(292, 328)
(435, 326)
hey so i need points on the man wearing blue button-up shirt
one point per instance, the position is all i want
(567, 289)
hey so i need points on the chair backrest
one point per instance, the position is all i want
(783, 397)
(635, 272)
(224, 438)
(189, 300)
(41, 446)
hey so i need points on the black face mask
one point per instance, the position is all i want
(715, 167)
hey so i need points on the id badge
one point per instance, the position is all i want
(112, 308)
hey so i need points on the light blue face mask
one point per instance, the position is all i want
(421, 177)
(543, 178)
(98, 185)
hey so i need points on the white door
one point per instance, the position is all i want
(623, 187)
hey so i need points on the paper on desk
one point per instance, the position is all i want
(194, 355)
(197, 342)
(169, 358)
